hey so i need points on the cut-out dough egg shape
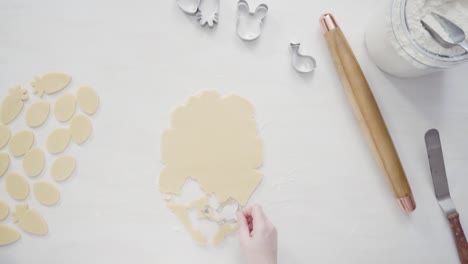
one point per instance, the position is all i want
(8, 235)
(80, 128)
(87, 100)
(58, 140)
(4, 163)
(33, 162)
(62, 168)
(50, 83)
(65, 107)
(30, 220)
(4, 135)
(17, 186)
(37, 114)
(4, 210)
(21, 142)
(46, 193)
(13, 104)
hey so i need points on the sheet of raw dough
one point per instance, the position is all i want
(213, 140)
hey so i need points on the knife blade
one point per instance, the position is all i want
(441, 188)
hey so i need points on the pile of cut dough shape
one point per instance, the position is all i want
(214, 141)
(21, 146)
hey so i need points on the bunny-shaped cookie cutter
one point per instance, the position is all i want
(250, 24)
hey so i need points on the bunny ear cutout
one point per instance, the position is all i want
(243, 7)
(261, 11)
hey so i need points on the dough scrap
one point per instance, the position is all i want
(88, 100)
(4, 135)
(62, 168)
(4, 210)
(37, 114)
(17, 186)
(58, 140)
(8, 235)
(80, 128)
(21, 142)
(29, 220)
(224, 230)
(46, 193)
(13, 103)
(4, 163)
(33, 162)
(181, 212)
(65, 107)
(50, 83)
(215, 141)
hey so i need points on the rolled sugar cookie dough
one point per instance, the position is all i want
(4, 135)
(17, 186)
(4, 210)
(58, 140)
(46, 193)
(8, 235)
(50, 83)
(30, 220)
(65, 107)
(88, 100)
(21, 142)
(4, 163)
(213, 140)
(33, 162)
(62, 168)
(37, 114)
(80, 128)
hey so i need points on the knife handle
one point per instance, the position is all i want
(460, 239)
(367, 111)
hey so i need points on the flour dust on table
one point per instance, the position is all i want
(213, 144)
(21, 145)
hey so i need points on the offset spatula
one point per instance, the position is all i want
(439, 178)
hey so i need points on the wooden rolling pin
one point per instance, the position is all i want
(367, 111)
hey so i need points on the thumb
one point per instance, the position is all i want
(244, 231)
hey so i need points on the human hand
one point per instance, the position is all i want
(258, 236)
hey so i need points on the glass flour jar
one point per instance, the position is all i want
(399, 45)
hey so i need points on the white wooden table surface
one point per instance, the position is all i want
(321, 187)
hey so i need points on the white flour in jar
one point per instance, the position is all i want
(454, 10)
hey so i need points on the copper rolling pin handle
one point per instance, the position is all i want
(367, 111)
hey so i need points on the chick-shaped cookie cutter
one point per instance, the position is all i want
(301, 63)
(250, 24)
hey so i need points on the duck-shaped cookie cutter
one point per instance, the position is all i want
(301, 63)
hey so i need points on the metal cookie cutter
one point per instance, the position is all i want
(250, 24)
(301, 63)
(206, 11)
